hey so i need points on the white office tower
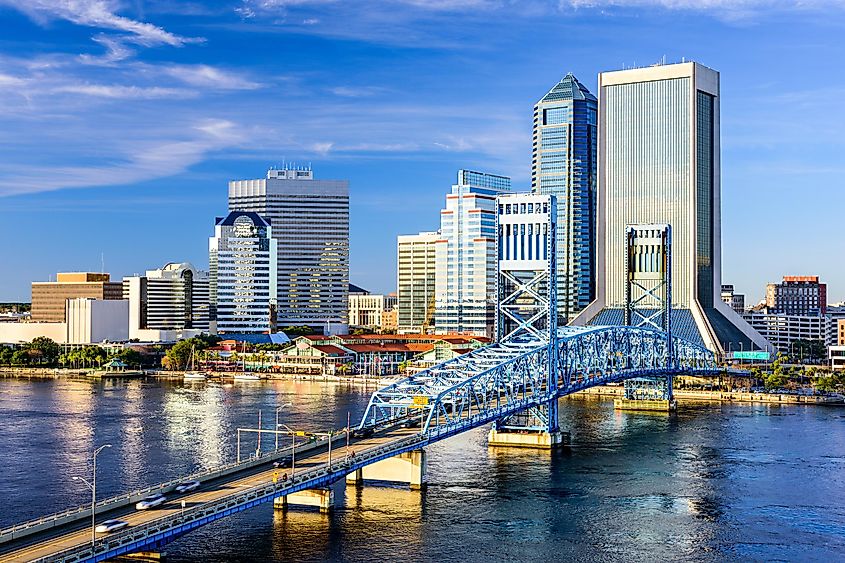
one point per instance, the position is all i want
(242, 280)
(310, 220)
(465, 295)
(416, 271)
(171, 298)
(659, 163)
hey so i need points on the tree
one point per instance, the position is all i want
(20, 358)
(130, 357)
(179, 355)
(44, 350)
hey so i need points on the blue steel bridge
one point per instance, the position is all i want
(514, 384)
(487, 385)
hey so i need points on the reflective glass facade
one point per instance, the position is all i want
(564, 164)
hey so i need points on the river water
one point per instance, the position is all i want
(712, 483)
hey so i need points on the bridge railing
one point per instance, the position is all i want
(60, 518)
(136, 538)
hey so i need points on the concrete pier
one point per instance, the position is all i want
(409, 467)
(650, 405)
(527, 439)
(144, 556)
(315, 498)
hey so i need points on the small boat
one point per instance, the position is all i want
(246, 376)
(192, 375)
(195, 376)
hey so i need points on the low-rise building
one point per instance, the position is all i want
(836, 357)
(49, 299)
(366, 309)
(735, 301)
(797, 295)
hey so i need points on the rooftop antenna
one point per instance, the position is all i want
(102, 263)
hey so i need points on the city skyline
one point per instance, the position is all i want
(174, 176)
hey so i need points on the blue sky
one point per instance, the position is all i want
(122, 121)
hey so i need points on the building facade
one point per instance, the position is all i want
(416, 273)
(173, 297)
(242, 280)
(735, 301)
(366, 310)
(797, 295)
(91, 321)
(465, 281)
(783, 330)
(310, 220)
(49, 299)
(659, 163)
(564, 164)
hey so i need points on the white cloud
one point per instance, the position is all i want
(356, 91)
(116, 91)
(209, 77)
(139, 161)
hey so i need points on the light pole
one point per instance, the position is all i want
(93, 486)
(280, 407)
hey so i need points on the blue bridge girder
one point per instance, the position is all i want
(508, 377)
(485, 385)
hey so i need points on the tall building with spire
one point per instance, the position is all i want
(564, 164)
(659, 163)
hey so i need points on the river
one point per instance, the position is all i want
(711, 483)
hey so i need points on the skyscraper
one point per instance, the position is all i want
(659, 163)
(564, 164)
(310, 222)
(415, 281)
(242, 280)
(465, 294)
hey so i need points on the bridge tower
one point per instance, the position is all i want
(527, 305)
(648, 304)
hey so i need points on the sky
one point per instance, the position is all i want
(121, 122)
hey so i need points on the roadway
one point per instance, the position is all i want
(77, 534)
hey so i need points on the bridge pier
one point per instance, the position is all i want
(322, 498)
(537, 428)
(143, 556)
(409, 467)
(653, 394)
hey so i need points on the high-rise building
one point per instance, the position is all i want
(242, 280)
(735, 300)
(416, 272)
(49, 299)
(564, 164)
(465, 294)
(659, 163)
(310, 220)
(797, 295)
(173, 297)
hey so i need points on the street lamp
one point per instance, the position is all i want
(93, 486)
(280, 407)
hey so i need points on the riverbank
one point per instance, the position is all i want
(689, 395)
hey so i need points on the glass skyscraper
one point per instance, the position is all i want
(659, 164)
(465, 292)
(564, 164)
(310, 220)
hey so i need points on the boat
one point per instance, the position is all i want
(192, 374)
(246, 376)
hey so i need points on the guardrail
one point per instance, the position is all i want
(136, 538)
(84, 512)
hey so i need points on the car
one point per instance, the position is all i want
(411, 423)
(284, 462)
(187, 486)
(151, 501)
(364, 432)
(107, 526)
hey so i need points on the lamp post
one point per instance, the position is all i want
(93, 486)
(280, 407)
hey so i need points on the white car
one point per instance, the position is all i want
(110, 526)
(187, 486)
(151, 501)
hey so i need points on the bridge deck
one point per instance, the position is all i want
(74, 535)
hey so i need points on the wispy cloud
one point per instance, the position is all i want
(115, 91)
(139, 161)
(357, 91)
(207, 76)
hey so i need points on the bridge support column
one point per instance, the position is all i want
(409, 467)
(145, 556)
(652, 394)
(316, 498)
(537, 428)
